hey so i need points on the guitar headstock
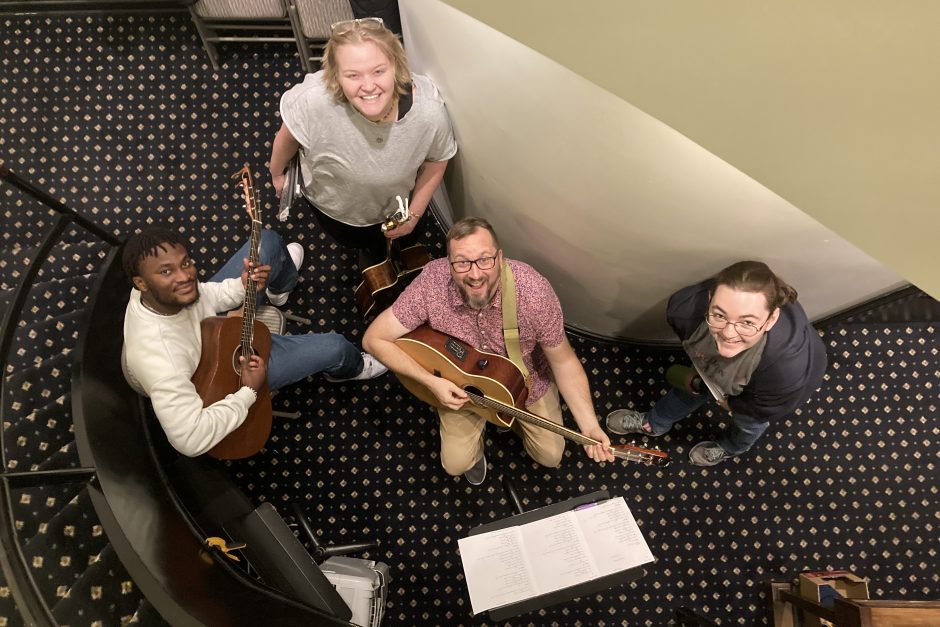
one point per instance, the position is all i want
(648, 456)
(251, 195)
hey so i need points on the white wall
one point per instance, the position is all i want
(617, 209)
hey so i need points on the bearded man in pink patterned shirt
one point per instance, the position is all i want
(461, 296)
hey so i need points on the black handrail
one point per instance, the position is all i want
(7, 176)
(15, 308)
(19, 578)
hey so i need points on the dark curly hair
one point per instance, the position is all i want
(145, 244)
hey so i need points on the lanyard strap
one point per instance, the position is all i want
(511, 321)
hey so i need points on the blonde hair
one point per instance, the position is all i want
(362, 32)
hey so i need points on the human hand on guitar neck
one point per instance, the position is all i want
(598, 452)
(259, 274)
(254, 373)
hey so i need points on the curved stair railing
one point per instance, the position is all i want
(91, 528)
(43, 484)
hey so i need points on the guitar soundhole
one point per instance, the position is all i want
(474, 390)
(236, 354)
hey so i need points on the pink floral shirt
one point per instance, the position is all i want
(434, 298)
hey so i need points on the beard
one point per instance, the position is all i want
(173, 301)
(476, 300)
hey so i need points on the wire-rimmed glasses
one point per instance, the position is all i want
(744, 328)
(483, 263)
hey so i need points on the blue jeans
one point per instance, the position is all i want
(271, 252)
(294, 357)
(678, 404)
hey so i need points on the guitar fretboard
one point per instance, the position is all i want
(251, 289)
(580, 438)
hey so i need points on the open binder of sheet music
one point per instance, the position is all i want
(524, 561)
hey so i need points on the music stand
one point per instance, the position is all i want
(565, 594)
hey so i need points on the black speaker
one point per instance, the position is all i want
(283, 562)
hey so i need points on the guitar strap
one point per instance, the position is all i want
(511, 320)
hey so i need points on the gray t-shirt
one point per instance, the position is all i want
(353, 168)
(724, 376)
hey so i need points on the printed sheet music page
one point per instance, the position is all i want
(521, 562)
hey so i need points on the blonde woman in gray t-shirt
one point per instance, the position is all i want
(367, 130)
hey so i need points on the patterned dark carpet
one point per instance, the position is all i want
(122, 118)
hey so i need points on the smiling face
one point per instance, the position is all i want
(367, 78)
(167, 280)
(742, 308)
(478, 287)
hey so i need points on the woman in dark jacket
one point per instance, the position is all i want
(754, 349)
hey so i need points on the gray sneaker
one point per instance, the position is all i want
(708, 453)
(624, 421)
(477, 472)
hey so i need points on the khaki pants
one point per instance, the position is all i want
(462, 435)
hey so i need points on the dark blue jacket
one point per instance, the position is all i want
(790, 369)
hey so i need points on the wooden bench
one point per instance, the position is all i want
(783, 606)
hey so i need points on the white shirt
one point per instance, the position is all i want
(161, 354)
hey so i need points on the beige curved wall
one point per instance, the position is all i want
(626, 151)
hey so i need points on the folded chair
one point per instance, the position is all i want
(315, 19)
(252, 21)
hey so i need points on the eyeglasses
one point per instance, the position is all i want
(483, 263)
(365, 23)
(744, 329)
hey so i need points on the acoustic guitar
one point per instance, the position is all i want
(224, 341)
(496, 388)
(382, 283)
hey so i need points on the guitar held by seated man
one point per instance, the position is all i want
(495, 387)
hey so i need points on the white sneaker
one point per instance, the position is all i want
(296, 252)
(371, 368)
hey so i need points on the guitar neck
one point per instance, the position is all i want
(623, 451)
(251, 288)
(530, 418)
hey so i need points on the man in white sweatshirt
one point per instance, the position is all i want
(163, 343)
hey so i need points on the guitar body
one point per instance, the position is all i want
(486, 374)
(218, 375)
(382, 283)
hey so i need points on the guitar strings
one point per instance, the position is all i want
(248, 309)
